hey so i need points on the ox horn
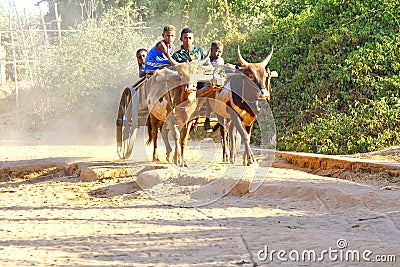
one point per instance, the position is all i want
(265, 62)
(242, 62)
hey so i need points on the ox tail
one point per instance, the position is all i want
(149, 130)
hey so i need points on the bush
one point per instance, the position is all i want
(86, 73)
(365, 127)
(338, 61)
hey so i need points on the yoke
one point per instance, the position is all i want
(153, 87)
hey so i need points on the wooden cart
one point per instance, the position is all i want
(133, 111)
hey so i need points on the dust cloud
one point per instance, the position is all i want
(44, 118)
(39, 120)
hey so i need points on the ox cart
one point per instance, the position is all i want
(237, 99)
(134, 109)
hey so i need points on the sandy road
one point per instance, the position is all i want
(61, 221)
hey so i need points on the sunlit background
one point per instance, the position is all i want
(30, 6)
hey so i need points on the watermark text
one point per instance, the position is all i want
(333, 254)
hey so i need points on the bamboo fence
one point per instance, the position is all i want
(20, 39)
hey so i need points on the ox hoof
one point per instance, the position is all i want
(156, 160)
(184, 164)
(178, 163)
(168, 157)
(250, 162)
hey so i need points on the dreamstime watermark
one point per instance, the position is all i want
(333, 254)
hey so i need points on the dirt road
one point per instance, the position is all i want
(50, 217)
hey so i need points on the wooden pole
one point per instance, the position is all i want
(128, 19)
(81, 4)
(15, 63)
(58, 22)
(2, 65)
(46, 39)
(31, 41)
(24, 51)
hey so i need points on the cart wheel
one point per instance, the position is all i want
(127, 123)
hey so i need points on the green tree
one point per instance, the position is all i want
(88, 71)
(336, 59)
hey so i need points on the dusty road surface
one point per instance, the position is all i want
(50, 216)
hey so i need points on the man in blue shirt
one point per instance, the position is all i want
(160, 54)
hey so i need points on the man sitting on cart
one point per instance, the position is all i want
(141, 57)
(160, 55)
(188, 51)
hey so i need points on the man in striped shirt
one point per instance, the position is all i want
(188, 51)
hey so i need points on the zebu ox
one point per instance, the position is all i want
(172, 100)
(241, 106)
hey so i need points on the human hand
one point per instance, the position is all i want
(192, 57)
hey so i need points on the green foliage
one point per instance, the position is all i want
(202, 16)
(92, 65)
(209, 19)
(365, 127)
(330, 56)
(74, 12)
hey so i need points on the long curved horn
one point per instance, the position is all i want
(267, 59)
(243, 62)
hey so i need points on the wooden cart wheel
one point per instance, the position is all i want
(127, 123)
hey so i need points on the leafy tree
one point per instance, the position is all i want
(92, 65)
(73, 12)
(335, 59)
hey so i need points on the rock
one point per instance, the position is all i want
(88, 175)
(390, 187)
(220, 188)
(240, 189)
(148, 179)
(73, 169)
(5, 174)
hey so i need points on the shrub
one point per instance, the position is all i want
(86, 73)
(337, 62)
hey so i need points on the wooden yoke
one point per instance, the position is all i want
(177, 78)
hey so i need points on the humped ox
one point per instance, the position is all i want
(237, 101)
(172, 101)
